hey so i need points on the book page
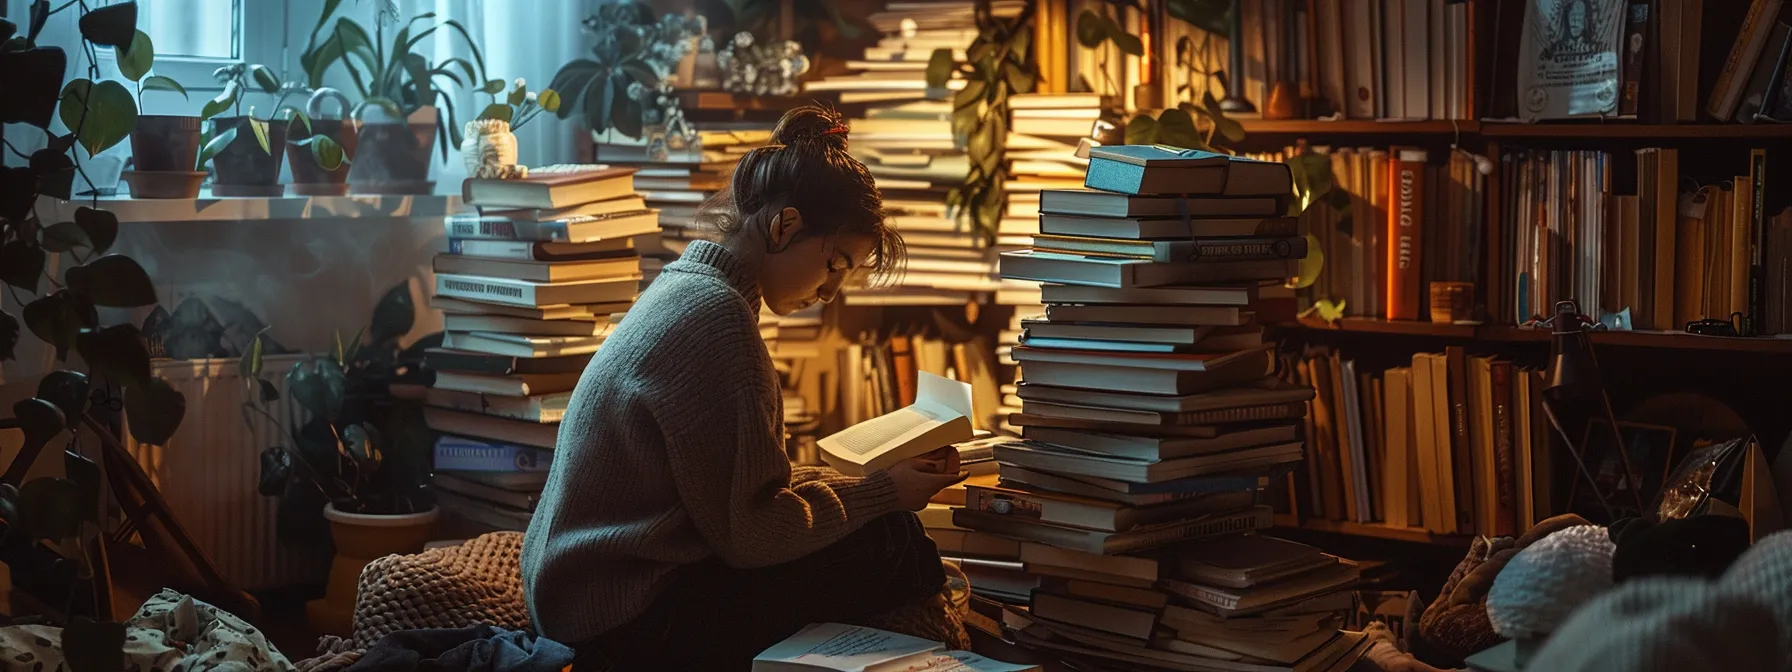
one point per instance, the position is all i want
(938, 400)
(834, 646)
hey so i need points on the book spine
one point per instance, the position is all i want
(1115, 176)
(479, 289)
(453, 455)
(1245, 414)
(1230, 250)
(520, 250)
(1757, 241)
(1727, 91)
(1456, 361)
(1507, 522)
(1207, 596)
(1630, 57)
(486, 228)
(1405, 233)
(1257, 518)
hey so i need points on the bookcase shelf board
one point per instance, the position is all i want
(1358, 127)
(1374, 530)
(1512, 334)
(208, 208)
(693, 100)
(1638, 131)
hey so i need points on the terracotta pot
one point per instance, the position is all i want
(165, 143)
(393, 156)
(243, 169)
(164, 183)
(360, 539)
(310, 179)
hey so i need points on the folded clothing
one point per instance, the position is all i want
(480, 648)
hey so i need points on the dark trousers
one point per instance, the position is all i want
(715, 617)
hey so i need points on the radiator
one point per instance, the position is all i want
(210, 469)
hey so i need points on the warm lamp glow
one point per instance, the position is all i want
(1145, 73)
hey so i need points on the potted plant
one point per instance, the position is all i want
(623, 83)
(356, 471)
(247, 162)
(402, 109)
(490, 145)
(322, 170)
(163, 146)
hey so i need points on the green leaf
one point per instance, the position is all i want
(326, 152)
(260, 128)
(494, 86)
(1090, 30)
(1020, 80)
(134, 61)
(160, 83)
(940, 67)
(549, 100)
(518, 95)
(9, 335)
(225, 100)
(317, 384)
(215, 145)
(269, 393)
(498, 111)
(1225, 126)
(249, 365)
(1020, 43)
(73, 101)
(40, 420)
(51, 508)
(1212, 16)
(1176, 128)
(68, 390)
(64, 236)
(1141, 130)
(111, 25)
(57, 319)
(573, 81)
(641, 72)
(1128, 43)
(154, 411)
(394, 316)
(276, 470)
(111, 115)
(265, 78)
(299, 116)
(101, 227)
(117, 352)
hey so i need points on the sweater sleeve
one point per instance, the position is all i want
(726, 455)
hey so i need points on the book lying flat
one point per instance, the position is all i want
(1219, 295)
(536, 434)
(1136, 494)
(1025, 420)
(1218, 416)
(472, 488)
(1167, 227)
(833, 647)
(1095, 514)
(1157, 169)
(453, 306)
(551, 189)
(536, 294)
(1119, 272)
(1129, 315)
(1216, 249)
(939, 417)
(505, 324)
(446, 360)
(1044, 457)
(580, 229)
(1266, 391)
(1093, 203)
(502, 463)
(1128, 621)
(538, 408)
(1113, 543)
(540, 271)
(508, 385)
(622, 204)
(1231, 602)
(1256, 360)
(541, 250)
(1148, 448)
(1248, 560)
(517, 345)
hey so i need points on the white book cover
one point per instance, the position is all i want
(851, 648)
(939, 417)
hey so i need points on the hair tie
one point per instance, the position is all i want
(837, 130)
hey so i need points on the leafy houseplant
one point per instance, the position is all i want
(63, 511)
(163, 147)
(1001, 64)
(360, 462)
(246, 165)
(620, 85)
(400, 99)
(490, 149)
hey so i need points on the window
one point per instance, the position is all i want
(208, 29)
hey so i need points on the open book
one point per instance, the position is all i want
(940, 416)
(850, 648)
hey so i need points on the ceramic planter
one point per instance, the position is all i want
(393, 155)
(242, 168)
(360, 539)
(309, 178)
(165, 143)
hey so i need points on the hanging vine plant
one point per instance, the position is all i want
(999, 64)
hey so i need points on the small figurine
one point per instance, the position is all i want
(490, 151)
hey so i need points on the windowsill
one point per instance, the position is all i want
(289, 208)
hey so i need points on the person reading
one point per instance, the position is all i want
(673, 532)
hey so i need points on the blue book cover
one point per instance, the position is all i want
(1157, 169)
(455, 453)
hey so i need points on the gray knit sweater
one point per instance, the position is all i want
(672, 452)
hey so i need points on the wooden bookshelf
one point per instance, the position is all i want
(1513, 334)
(1357, 127)
(693, 100)
(1622, 129)
(1373, 530)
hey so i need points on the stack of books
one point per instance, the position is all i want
(1150, 419)
(680, 183)
(529, 287)
(905, 140)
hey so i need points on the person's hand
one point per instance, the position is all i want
(943, 460)
(917, 481)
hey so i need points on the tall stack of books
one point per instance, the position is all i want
(530, 285)
(905, 140)
(678, 184)
(1150, 420)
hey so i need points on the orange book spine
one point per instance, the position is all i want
(1406, 181)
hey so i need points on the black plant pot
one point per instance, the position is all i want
(309, 178)
(243, 169)
(165, 143)
(393, 158)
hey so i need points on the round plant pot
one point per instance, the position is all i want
(164, 183)
(360, 539)
(242, 168)
(309, 178)
(393, 156)
(165, 143)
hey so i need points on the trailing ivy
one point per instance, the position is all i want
(1000, 63)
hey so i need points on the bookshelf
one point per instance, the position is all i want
(1373, 530)
(1493, 333)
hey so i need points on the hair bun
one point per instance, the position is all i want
(811, 123)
